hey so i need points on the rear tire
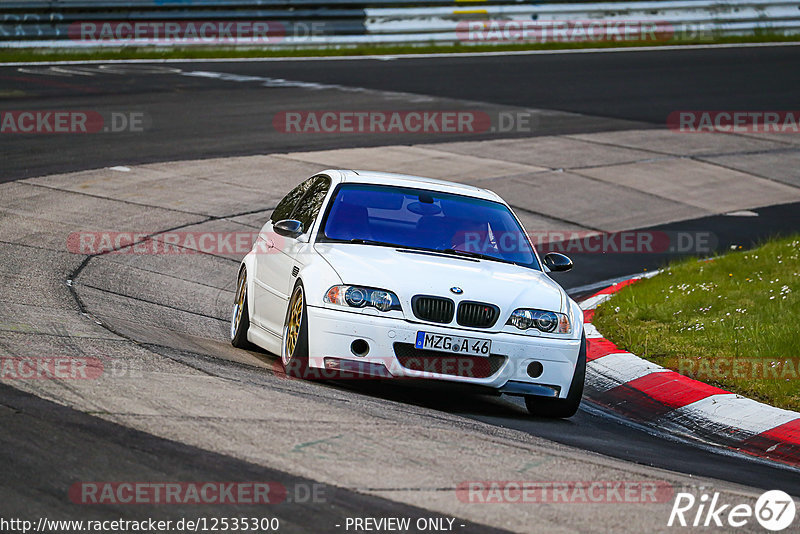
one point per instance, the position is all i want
(294, 344)
(562, 408)
(240, 319)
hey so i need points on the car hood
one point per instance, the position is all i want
(410, 273)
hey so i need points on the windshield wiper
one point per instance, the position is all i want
(451, 251)
(360, 241)
(470, 254)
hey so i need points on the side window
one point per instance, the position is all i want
(308, 208)
(285, 206)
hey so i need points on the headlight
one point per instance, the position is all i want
(545, 321)
(362, 297)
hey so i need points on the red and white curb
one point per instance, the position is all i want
(652, 395)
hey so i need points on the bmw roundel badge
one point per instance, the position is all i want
(456, 290)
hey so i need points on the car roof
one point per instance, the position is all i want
(388, 178)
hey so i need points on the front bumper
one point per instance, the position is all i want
(332, 332)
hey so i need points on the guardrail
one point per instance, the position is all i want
(298, 23)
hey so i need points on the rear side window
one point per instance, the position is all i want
(286, 206)
(308, 208)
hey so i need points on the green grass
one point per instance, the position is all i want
(730, 321)
(202, 52)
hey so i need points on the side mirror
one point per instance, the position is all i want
(557, 262)
(288, 228)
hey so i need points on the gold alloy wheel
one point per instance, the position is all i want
(238, 304)
(293, 324)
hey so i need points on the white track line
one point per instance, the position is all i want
(393, 57)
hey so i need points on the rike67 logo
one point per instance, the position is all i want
(774, 510)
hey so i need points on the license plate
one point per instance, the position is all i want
(453, 344)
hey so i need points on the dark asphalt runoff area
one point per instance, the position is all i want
(228, 113)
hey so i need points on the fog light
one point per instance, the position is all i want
(359, 347)
(535, 369)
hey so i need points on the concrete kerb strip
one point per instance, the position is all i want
(654, 396)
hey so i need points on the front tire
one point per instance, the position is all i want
(240, 320)
(294, 345)
(562, 408)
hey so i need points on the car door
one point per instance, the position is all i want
(279, 269)
(271, 263)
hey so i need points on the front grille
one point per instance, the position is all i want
(433, 309)
(477, 314)
(432, 361)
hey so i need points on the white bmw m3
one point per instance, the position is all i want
(366, 274)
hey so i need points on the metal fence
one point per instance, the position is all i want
(298, 23)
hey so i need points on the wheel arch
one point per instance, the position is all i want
(317, 277)
(249, 263)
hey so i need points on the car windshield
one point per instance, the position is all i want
(427, 220)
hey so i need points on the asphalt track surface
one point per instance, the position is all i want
(199, 116)
(62, 445)
(195, 116)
